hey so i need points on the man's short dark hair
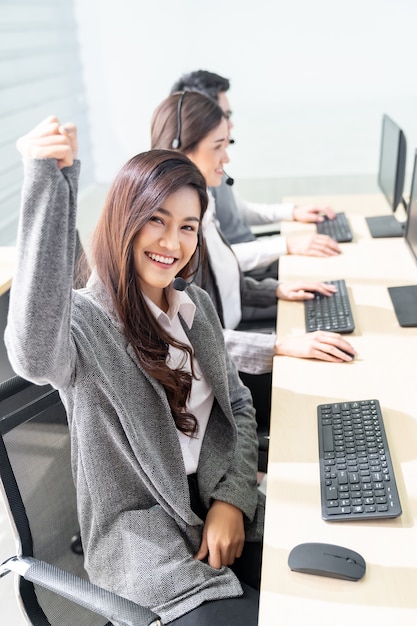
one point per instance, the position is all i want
(207, 83)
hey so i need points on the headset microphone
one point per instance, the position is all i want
(229, 181)
(231, 141)
(180, 283)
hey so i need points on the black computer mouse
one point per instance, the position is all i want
(324, 559)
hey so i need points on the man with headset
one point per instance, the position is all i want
(257, 257)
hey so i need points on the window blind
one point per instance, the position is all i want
(40, 75)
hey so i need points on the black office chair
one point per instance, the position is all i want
(39, 494)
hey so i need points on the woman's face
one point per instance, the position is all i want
(166, 243)
(210, 154)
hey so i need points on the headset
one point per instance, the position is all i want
(180, 283)
(176, 142)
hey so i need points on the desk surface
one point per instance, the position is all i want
(7, 265)
(385, 368)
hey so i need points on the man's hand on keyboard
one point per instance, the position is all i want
(320, 345)
(311, 213)
(312, 245)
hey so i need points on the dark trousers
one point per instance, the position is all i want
(240, 611)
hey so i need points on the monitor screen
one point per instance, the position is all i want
(392, 162)
(411, 227)
(404, 299)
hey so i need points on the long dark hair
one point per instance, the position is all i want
(141, 186)
(198, 115)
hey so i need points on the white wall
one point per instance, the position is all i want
(310, 79)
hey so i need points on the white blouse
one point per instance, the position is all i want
(225, 267)
(201, 397)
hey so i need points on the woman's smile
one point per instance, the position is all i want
(161, 259)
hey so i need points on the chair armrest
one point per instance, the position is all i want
(110, 605)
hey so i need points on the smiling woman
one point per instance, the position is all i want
(163, 430)
(147, 235)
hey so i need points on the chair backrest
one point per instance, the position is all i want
(35, 470)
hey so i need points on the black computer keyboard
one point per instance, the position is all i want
(332, 313)
(356, 473)
(338, 228)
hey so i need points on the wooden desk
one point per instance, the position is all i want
(385, 368)
(7, 265)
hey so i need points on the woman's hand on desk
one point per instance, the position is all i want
(50, 140)
(318, 345)
(312, 245)
(303, 290)
(312, 213)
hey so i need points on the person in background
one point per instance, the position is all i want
(163, 432)
(257, 257)
(194, 124)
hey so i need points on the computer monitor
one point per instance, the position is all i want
(392, 159)
(411, 225)
(404, 299)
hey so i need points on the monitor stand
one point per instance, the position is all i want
(385, 226)
(404, 300)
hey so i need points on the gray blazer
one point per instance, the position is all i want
(139, 532)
